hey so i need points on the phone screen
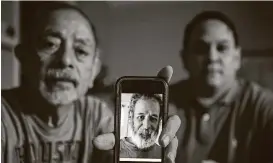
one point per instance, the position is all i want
(141, 118)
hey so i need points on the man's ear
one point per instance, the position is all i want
(96, 68)
(19, 52)
(130, 116)
(238, 58)
(184, 58)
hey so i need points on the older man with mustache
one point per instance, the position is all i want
(49, 118)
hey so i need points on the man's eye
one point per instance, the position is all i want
(153, 119)
(48, 45)
(222, 48)
(141, 118)
(80, 51)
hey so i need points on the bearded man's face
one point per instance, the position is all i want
(145, 123)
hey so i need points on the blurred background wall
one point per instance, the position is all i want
(139, 38)
(10, 27)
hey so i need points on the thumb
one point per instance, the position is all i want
(166, 73)
(105, 141)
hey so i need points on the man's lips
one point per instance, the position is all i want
(53, 80)
(145, 135)
(213, 68)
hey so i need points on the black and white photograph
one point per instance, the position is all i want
(140, 127)
(61, 62)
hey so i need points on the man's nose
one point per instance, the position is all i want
(67, 57)
(213, 54)
(146, 123)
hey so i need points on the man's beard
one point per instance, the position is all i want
(144, 138)
(59, 97)
(60, 86)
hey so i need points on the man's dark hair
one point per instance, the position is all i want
(208, 15)
(42, 11)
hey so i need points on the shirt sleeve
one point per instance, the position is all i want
(267, 106)
(3, 131)
(3, 141)
(269, 136)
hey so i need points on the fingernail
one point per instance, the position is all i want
(171, 157)
(166, 140)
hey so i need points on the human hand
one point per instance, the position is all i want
(167, 137)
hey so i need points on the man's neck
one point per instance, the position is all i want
(48, 113)
(130, 140)
(208, 101)
(214, 94)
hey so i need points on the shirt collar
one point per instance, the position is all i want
(230, 96)
(227, 98)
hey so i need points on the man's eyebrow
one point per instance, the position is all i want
(199, 41)
(223, 41)
(53, 33)
(84, 41)
(154, 115)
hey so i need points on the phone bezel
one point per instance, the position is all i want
(164, 89)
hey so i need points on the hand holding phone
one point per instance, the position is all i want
(141, 111)
(107, 141)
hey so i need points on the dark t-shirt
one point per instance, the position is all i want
(25, 138)
(129, 150)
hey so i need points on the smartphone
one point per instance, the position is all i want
(141, 111)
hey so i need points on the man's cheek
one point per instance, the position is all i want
(137, 125)
(154, 126)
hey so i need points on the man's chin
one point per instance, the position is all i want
(214, 81)
(58, 98)
(144, 143)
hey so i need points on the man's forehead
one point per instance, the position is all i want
(144, 105)
(68, 20)
(67, 13)
(214, 29)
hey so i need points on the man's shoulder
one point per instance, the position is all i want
(257, 100)
(95, 108)
(97, 112)
(9, 100)
(258, 94)
(122, 142)
(125, 144)
(95, 104)
(10, 111)
(7, 94)
(181, 84)
(180, 94)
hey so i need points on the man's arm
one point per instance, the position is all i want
(3, 141)
(3, 131)
(269, 135)
(267, 107)
(270, 142)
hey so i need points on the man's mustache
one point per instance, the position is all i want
(146, 133)
(61, 74)
(213, 66)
